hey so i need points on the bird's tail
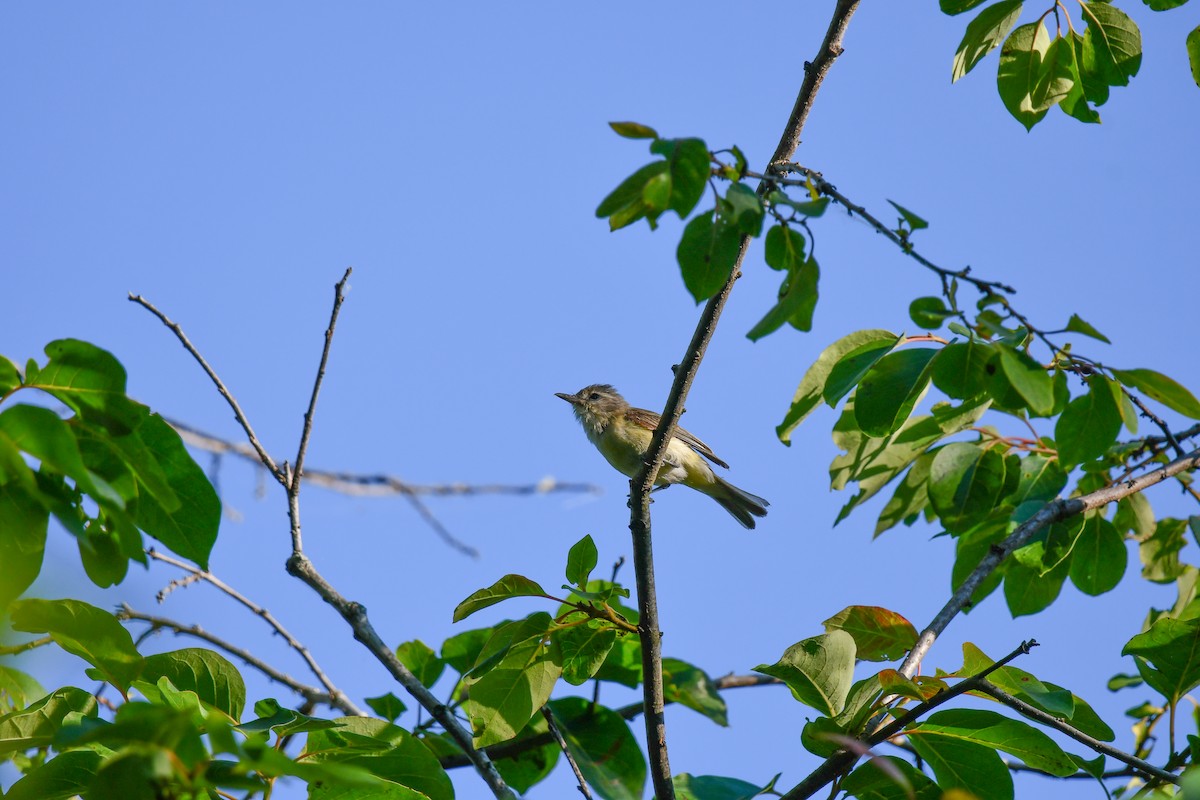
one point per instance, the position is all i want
(738, 502)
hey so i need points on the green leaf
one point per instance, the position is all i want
(928, 312)
(706, 254)
(1112, 43)
(384, 750)
(879, 634)
(1083, 86)
(1193, 51)
(889, 390)
(875, 462)
(961, 764)
(953, 7)
(22, 541)
(890, 778)
(1099, 557)
(85, 631)
(503, 701)
(508, 586)
(10, 378)
(42, 434)
(818, 670)
(784, 248)
(914, 222)
(623, 664)
(36, 725)
(689, 163)
(462, 650)
(90, 380)
(603, 746)
(421, 661)
(1029, 378)
(746, 209)
(691, 687)
(189, 529)
(626, 204)
(530, 766)
(797, 301)
(1020, 62)
(964, 484)
(1089, 425)
(1079, 325)
(984, 34)
(1172, 648)
(1041, 479)
(856, 363)
(581, 560)
(283, 721)
(1056, 74)
(65, 776)
(633, 130)
(1161, 388)
(910, 498)
(213, 678)
(387, 706)
(1159, 552)
(584, 649)
(1029, 590)
(812, 386)
(960, 369)
(989, 729)
(713, 787)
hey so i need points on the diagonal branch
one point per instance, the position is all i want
(175, 328)
(310, 693)
(1050, 721)
(641, 485)
(339, 295)
(1052, 512)
(339, 697)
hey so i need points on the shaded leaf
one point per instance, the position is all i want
(984, 34)
(888, 391)
(1020, 61)
(83, 630)
(707, 252)
(691, 687)
(604, 748)
(879, 634)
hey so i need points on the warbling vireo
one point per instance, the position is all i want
(622, 434)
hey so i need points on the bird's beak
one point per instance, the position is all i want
(570, 398)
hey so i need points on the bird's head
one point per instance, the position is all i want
(596, 406)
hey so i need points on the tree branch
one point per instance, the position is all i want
(339, 296)
(562, 745)
(1050, 721)
(174, 327)
(841, 761)
(641, 484)
(339, 697)
(1054, 511)
(310, 693)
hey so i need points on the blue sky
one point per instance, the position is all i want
(229, 161)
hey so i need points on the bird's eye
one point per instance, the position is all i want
(594, 396)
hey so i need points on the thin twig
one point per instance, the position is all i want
(436, 524)
(14, 649)
(341, 700)
(311, 693)
(1051, 721)
(339, 295)
(174, 327)
(562, 744)
(1054, 511)
(642, 484)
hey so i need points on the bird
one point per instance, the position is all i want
(622, 434)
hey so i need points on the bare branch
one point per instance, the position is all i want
(342, 701)
(641, 485)
(14, 649)
(174, 327)
(380, 484)
(339, 296)
(1050, 721)
(310, 693)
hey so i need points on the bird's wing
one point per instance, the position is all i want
(649, 420)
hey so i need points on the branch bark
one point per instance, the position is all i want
(640, 486)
